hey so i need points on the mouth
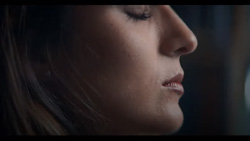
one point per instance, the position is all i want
(174, 84)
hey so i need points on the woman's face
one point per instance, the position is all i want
(131, 56)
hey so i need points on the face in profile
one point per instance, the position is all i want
(131, 56)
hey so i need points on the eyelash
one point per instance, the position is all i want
(138, 17)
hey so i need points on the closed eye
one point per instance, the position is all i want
(136, 17)
(138, 12)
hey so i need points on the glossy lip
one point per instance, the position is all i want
(174, 84)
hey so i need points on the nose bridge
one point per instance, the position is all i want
(177, 38)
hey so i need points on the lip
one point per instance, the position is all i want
(174, 84)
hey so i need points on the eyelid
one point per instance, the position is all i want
(137, 9)
(138, 12)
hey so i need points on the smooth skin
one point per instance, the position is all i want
(126, 61)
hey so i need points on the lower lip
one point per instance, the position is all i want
(176, 87)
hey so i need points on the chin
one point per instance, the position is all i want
(176, 123)
(172, 123)
(165, 129)
(165, 125)
(175, 128)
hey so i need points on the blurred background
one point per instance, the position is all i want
(217, 74)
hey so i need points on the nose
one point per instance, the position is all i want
(176, 38)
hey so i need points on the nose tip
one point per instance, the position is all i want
(178, 39)
(182, 44)
(189, 44)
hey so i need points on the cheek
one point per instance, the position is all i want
(128, 69)
(125, 70)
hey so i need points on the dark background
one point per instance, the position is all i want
(217, 99)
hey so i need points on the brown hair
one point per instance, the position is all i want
(30, 102)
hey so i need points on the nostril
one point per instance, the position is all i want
(182, 51)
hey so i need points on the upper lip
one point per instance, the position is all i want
(176, 79)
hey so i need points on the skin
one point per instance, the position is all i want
(126, 61)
